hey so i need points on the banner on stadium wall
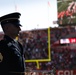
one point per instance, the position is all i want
(68, 41)
(65, 72)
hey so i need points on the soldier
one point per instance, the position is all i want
(11, 51)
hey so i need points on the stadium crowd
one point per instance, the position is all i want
(35, 44)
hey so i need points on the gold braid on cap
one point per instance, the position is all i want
(8, 19)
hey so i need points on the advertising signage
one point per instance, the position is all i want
(66, 12)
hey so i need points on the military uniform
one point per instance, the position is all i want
(11, 53)
(12, 59)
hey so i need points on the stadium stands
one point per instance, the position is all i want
(35, 47)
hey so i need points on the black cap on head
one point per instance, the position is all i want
(11, 18)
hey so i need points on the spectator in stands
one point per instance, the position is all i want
(11, 51)
(36, 47)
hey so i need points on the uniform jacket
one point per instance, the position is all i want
(11, 57)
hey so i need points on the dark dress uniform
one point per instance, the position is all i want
(11, 52)
(12, 62)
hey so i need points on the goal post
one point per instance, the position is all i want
(49, 53)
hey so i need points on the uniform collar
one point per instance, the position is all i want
(8, 38)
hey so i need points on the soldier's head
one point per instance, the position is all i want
(10, 23)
